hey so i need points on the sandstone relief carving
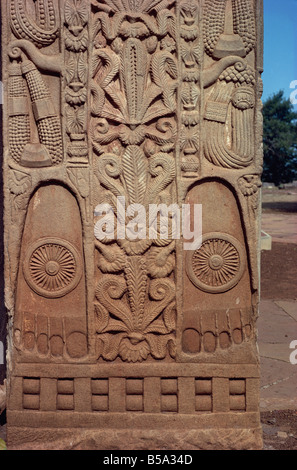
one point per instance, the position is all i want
(113, 107)
(76, 77)
(27, 88)
(218, 264)
(233, 35)
(52, 267)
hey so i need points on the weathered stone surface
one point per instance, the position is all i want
(132, 104)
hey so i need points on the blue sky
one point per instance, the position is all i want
(280, 46)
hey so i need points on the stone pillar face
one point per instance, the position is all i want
(132, 339)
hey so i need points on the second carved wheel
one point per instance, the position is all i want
(218, 265)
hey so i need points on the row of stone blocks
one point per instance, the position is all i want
(145, 394)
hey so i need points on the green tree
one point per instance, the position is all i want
(280, 140)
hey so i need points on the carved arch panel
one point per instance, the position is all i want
(50, 312)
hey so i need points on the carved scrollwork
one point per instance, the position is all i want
(136, 331)
(132, 74)
(134, 130)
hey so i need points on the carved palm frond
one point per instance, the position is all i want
(136, 278)
(135, 173)
(158, 344)
(134, 73)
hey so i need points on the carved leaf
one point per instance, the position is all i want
(82, 11)
(101, 318)
(157, 327)
(79, 177)
(155, 111)
(190, 51)
(163, 292)
(136, 278)
(69, 11)
(169, 96)
(105, 67)
(115, 325)
(20, 202)
(70, 70)
(72, 11)
(160, 261)
(162, 167)
(110, 112)
(158, 345)
(117, 97)
(170, 317)
(112, 259)
(134, 76)
(109, 168)
(163, 64)
(19, 182)
(75, 119)
(134, 172)
(111, 344)
(109, 289)
(82, 69)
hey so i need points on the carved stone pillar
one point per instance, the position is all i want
(132, 342)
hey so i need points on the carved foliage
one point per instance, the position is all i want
(19, 184)
(133, 131)
(191, 57)
(249, 186)
(76, 76)
(134, 79)
(128, 324)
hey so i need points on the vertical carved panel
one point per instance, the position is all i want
(76, 15)
(190, 93)
(133, 130)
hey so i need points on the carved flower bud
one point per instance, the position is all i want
(117, 45)
(168, 44)
(151, 44)
(149, 148)
(100, 41)
(115, 148)
(249, 184)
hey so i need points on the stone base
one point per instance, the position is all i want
(178, 436)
